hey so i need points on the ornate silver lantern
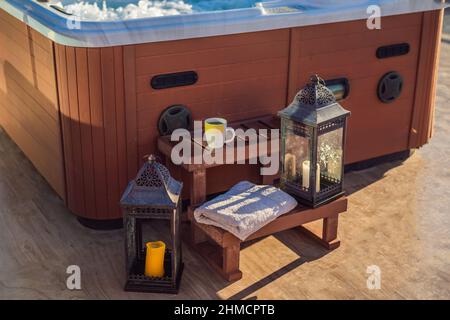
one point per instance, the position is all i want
(151, 208)
(313, 131)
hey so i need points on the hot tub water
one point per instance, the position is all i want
(102, 10)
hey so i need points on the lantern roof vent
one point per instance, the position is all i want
(314, 104)
(153, 186)
(315, 94)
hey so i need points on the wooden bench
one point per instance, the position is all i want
(220, 248)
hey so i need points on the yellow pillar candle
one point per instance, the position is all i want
(154, 259)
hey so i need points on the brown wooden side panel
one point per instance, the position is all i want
(28, 98)
(129, 62)
(423, 115)
(91, 86)
(240, 76)
(348, 50)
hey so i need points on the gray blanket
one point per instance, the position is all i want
(245, 208)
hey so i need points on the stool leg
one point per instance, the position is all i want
(197, 235)
(328, 238)
(230, 263)
(329, 232)
(330, 227)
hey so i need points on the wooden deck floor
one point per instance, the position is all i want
(398, 219)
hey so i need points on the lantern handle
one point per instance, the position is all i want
(316, 79)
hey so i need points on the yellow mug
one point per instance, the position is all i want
(217, 133)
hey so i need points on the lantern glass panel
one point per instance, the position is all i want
(329, 157)
(297, 153)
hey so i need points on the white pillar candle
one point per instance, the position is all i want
(305, 175)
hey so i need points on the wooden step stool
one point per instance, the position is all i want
(221, 249)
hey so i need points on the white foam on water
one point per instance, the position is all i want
(104, 10)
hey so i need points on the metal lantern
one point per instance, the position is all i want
(151, 207)
(313, 130)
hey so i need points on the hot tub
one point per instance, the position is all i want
(75, 92)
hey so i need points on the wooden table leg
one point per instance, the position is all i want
(198, 196)
(197, 189)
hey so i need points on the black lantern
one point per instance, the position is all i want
(313, 130)
(151, 208)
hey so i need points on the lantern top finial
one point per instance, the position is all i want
(314, 104)
(153, 186)
(315, 94)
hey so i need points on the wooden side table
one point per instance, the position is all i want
(197, 184)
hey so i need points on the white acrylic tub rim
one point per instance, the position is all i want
(59, 27)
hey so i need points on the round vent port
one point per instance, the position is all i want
(390, 87)
(174, 117)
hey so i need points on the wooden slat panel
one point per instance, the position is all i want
(28, 100)
(120, 118)
(346, 59)
(24, 39)
(40, 127)
(51, 168)
(12, 21)
(95, 145)
(61, 67)
(98, 134)
(34, 71)
(36, 127)
(85, 130)
(34, 100)
(200, 44)
(42, 41)
(78, 204)
(129, 57)
(252, 89)
(213, 57)
(358, 26)
(21, 36)
(110, 127)
(41, 54)
(227, 73)
(422, 117)
(356, 41)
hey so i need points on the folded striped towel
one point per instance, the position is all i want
(245, 208)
